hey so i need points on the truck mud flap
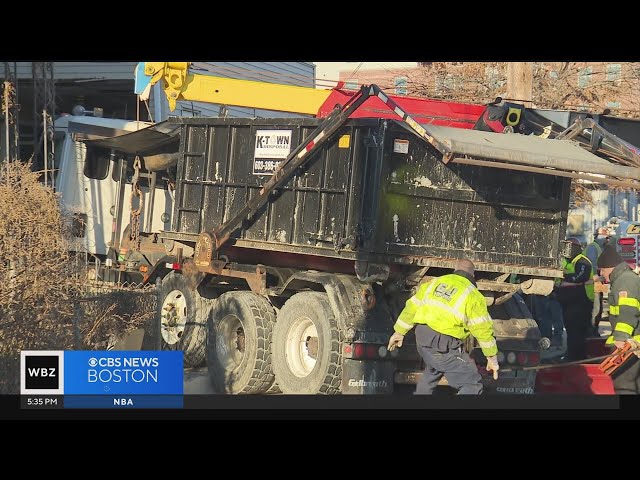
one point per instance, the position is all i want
(518, 382)
(367, 377)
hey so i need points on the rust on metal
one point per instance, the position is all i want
(204, 251)
(488, 285)
(255, 276)
(368, 299)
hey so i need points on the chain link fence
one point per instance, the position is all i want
(108, 311)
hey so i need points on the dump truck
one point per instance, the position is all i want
(294, 243)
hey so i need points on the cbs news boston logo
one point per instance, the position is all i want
(105, 379)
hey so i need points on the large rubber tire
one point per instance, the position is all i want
(239, 343)
(307, 346)
(184, 329)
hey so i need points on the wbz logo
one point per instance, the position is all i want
(41, 372)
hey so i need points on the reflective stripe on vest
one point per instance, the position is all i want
(621, 326)
(611, 340)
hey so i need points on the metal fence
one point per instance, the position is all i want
(107, 311)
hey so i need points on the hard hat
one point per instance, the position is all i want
(571, 247)
(574, 241)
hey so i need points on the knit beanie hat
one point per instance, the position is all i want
(609, 257)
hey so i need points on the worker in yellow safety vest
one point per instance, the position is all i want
(624, 316)
(575, 294)
(445, 311)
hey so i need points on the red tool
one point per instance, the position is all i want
(617, 359)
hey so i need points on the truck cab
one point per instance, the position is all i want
(89, 184)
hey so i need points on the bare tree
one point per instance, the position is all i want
(593, 86)
(45, 300)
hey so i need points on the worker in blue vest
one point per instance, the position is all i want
(446, 310)
(624, 316)
(593, 251)
(576, 294)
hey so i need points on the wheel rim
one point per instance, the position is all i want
(301, 350)
(230, 342)
(174, 317)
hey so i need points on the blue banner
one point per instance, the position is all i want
(123, 401)
(123, 372)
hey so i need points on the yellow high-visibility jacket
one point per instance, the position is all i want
(450, 305)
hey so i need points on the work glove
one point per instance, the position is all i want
(395, 341)
(634, 344)
(492, 365)
(619, 343)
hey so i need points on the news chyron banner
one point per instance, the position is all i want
(101, 379)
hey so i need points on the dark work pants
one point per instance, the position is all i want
(547, 313)
(456, 366)
(596, 313)
(576, 312)
(626, 379)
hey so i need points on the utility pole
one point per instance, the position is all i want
(10, 110)
(44, 106)
(520, 82)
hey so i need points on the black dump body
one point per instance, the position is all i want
(376, 193)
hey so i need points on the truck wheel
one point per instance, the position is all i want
(307, 348)
(183, 320)
(239, 343)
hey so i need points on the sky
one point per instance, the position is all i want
(327, 72)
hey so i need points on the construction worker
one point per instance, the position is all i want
(624, 316)
(593, 251)
(446, 310)
(576, 294)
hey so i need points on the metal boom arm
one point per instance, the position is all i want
(209, 242)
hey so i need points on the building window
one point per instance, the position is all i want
(401, 85)
(614, 72)
(584, 77)
(453, 82)
(613, 104)
(492, 74)
(351, 85)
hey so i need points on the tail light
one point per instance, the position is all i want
(366, 351)
(521, 359)
(628, 251)
(534, 358)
